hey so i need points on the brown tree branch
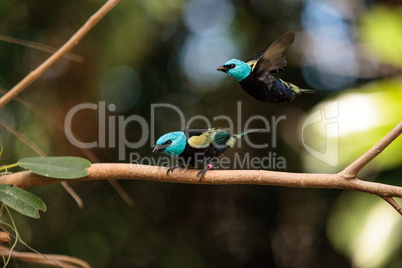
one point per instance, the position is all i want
(32, 76)
(393, 203)
(346, 179)
(98, 172)
(353, 169)
(53, 259)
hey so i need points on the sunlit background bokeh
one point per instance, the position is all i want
(147, 52)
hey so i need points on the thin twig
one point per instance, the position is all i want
(65, 261)
(32, 76)
(73, 194)
(353, 169)
(17, 238)
(41, 47)
(393, 203)
(22, 138)
(43, 115)
(122, 192)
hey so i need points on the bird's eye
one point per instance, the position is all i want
(231, 66)
(168, 142)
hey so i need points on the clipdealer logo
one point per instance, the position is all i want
(328, 119)
(112, 131)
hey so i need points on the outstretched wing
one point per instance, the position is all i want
(273, 58)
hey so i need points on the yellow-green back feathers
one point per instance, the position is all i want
(203, 140)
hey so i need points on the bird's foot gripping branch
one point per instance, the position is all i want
(238, 161)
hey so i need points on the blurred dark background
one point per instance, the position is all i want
(152, 52)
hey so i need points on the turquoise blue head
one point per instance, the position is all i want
(236, 68)
(172, 143)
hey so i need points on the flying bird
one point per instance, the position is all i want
(194, 146)
(254, 75)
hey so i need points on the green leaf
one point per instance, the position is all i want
(57, 167)
(22, 201)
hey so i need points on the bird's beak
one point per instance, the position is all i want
(159, 148)
(223, 68)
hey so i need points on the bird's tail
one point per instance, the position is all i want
(309, 91)
(232, 140)
(299, 90)
(247, 132)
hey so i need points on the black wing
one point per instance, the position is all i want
(273, 58)
(194, 131)
(256, 56)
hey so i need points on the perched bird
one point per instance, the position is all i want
(255, 77)
(196, 145)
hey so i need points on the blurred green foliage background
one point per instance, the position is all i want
(150, 51)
